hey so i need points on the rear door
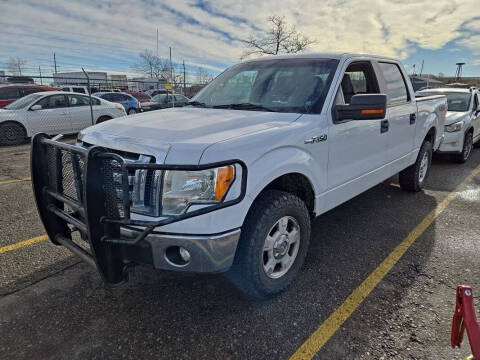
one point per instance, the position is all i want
(80, 116)
(53, 118)
(357, 148)
(401, 113)
(476, 117)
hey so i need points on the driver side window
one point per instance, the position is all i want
(359, 78)
(53, 102)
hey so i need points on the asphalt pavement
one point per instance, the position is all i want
(52, 306)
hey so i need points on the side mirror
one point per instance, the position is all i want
(362, 107)
(36, 107)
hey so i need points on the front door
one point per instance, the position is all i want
(80, 116)
(357, 148)
(52, 118)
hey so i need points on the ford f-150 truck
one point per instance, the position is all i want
(231, 182)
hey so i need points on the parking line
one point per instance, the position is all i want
(21, 244)
(330, 326)
(4, 182)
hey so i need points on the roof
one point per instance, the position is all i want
(336, 56)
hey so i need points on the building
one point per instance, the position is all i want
(97, 79)
(419, 82)
(143, 84)
(118, 81)
(2, 77)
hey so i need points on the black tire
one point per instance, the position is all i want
(103, 118)
(132, 111)
(12, 133)
(467, 147)
(410, 179)
(247, 272)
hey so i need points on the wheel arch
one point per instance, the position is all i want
(25, 128)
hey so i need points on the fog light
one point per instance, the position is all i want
(184, 254)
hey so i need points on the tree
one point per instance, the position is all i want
(152, 65)
(280, 38)
(203, 76)
(15, 65)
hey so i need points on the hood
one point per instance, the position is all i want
(180, 133)
(455, 116)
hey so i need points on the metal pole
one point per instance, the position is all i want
(157, 42)
(40, 71)
(171, 76)
(421, 69)
(184, 79)
(55, 62)
(89, 95)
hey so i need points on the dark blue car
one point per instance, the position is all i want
(129, 102)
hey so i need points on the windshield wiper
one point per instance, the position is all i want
(197, 103)
(243, 106)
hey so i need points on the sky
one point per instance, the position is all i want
(109, 35)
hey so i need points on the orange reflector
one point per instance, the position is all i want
(372, 111)
(224, 179)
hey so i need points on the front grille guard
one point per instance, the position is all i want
(87, 190)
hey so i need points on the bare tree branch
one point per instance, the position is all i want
(15, 65)
(278, 39)
(152, 65)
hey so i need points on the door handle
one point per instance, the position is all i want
(384, 126)
(413, 118)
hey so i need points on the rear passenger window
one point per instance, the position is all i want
(79, 90)
(396, 88)
(9, 93)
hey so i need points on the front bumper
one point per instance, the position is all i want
(208, 253)
(452, 142)
(87, 190)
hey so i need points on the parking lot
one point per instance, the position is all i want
(54, 306)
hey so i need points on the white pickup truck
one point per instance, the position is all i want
(232, 182)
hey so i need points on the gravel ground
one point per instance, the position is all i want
(53, 306)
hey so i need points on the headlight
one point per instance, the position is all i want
(454, 127)
(120, 107)
(182, 188)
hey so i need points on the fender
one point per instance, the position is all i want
(282, 161)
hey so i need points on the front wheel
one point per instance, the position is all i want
(132, 111)
(414, 177)
(12, 133)
(273, 245)
(466, 149)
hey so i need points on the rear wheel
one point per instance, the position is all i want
(103, 118)
(132, 111)
(414, 177)
(466, 149)
(12, 133)
(273, 245)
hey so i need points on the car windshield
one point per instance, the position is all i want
(283, 85)
(457, 101)
(22, 102)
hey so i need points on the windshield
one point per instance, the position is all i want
(162, 98)
(283, 85)
(22, 102)
(457, 101)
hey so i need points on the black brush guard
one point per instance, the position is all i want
(87, 190)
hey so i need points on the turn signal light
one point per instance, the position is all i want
(372, 111)
(224, 179)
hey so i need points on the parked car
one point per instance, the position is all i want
(52, 112)
(163, 101)
(263, 149)
(11, 92)
(154, 92)
(129, 102)
(76, 89)
(141, 96)
(462, 125)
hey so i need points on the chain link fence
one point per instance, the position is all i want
(30, 110)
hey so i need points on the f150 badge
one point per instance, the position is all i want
(316, 139)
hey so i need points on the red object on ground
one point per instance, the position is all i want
(465, 318)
